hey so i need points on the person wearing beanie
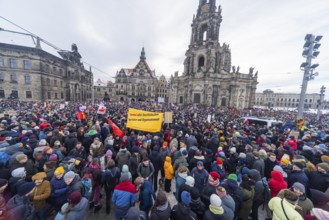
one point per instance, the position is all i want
(258, 163)
(217, 166)
(122, 157)
(77, 206)
(182, 210)
(169, 173)
(3, 186)
(180, 161)
(215, 210)
(161, 208)
(228, 203)
(21, 160)
(298, 175)
(197, 160)
(270, 163)
(73, 181)
(284, 208)
(188, 186)
(124, 197)
(19, 206)
(319, 178)
(232, 188)
(197, 206)
(125, 170)
(259, 192)
(17, 179)
(40, 194)
(200, 175)
(210, 188)
(146, 196)
(247, 187)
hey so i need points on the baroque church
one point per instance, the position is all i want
(208, 77)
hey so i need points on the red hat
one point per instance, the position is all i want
(214, 175)
(219, 161)
(47, 148)
(74, 198)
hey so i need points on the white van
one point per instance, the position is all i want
(262, 121)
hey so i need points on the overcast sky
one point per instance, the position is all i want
(267, 35)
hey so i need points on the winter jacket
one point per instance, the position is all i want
(180, 161)
(269, 165)
(79, 154)
(228, 205)
(78, 211)
(146, 195)
(161, 212)
(247, 196)
(195, 160)
(260, 166)
(180, 180)
(168, 169)
(97, 149)
(276, 183)
(70, 142)
(122, 157)
(207, 191)
(59, 191)
(183, 188)
(297, 176)
(29, 168)
(155, 159)
(40, 195)
(125, 169)
(20, 208)
(124, 194)
(14, 183)
(145, 171)
(181, 211)
(278, 213)
(133, 164)
(233, 190)
(259, 186)
(191, 141)
(76, 185)
(200, 177)
(208, 215)
(110, 178)
(319, 181)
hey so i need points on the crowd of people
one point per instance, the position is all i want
(56, 165)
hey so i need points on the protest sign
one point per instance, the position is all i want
(144, 120)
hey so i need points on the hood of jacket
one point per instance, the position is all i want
(277, 175)
(125, 169)
(168, 159)
(255, 174)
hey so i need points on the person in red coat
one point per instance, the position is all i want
(276, 183)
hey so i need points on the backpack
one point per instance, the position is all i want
(110, 179)
(87, 185)
(267, 191)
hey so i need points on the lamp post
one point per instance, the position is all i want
(311, 47)
(322, 91)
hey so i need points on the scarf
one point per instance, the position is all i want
(216, 210)
(183, 175)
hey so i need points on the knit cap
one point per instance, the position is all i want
(324, 166)
(299, 186)
(215, 201)
(69, 175)
(186, 198)
(74, 198)
(219, 161)
(242, 155)
(18, 172)
(59, 170)
(20, 157)
(109, 153)
(53, 157)
(245, 170)
(278, 168)
(300, 165)
(200, 163)
(214, 175)
(325, 158)
(25, 188)
(190, 181)
(233, 176)
(42, 142)
(285, 161)
(46, 149)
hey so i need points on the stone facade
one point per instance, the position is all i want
(136, 84)
(162, 90)
(285, 100)
(207, 78)
(33, 74)
(104, 91)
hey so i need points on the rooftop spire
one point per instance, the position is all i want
(142, 57)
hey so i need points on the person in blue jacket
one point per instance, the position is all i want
(59, 189)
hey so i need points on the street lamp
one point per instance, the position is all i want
(310, 52)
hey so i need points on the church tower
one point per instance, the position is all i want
(207, 77)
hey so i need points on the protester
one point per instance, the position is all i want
(77, 206)
(161, 209)
(182, 210)
(40, 194)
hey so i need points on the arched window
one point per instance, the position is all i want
(201, 62)
(204, 29)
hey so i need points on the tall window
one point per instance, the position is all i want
(1, 62)
(28, 94)
(2, 93)
(12, 63)
(61, 83)
(56, 95)
(14, 94)
(201, 62)
(55, 82)
(49, 95)
(13, 78)
(26, 64)
(1, 77)
(62, 95)
(48, 82)
(27, 79)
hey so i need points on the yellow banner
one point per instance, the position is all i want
(144, 121)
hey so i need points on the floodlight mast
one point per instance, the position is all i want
(310, 51)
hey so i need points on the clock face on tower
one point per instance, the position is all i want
(141, 72)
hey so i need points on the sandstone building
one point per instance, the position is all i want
(208, 77)
(31, 74)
